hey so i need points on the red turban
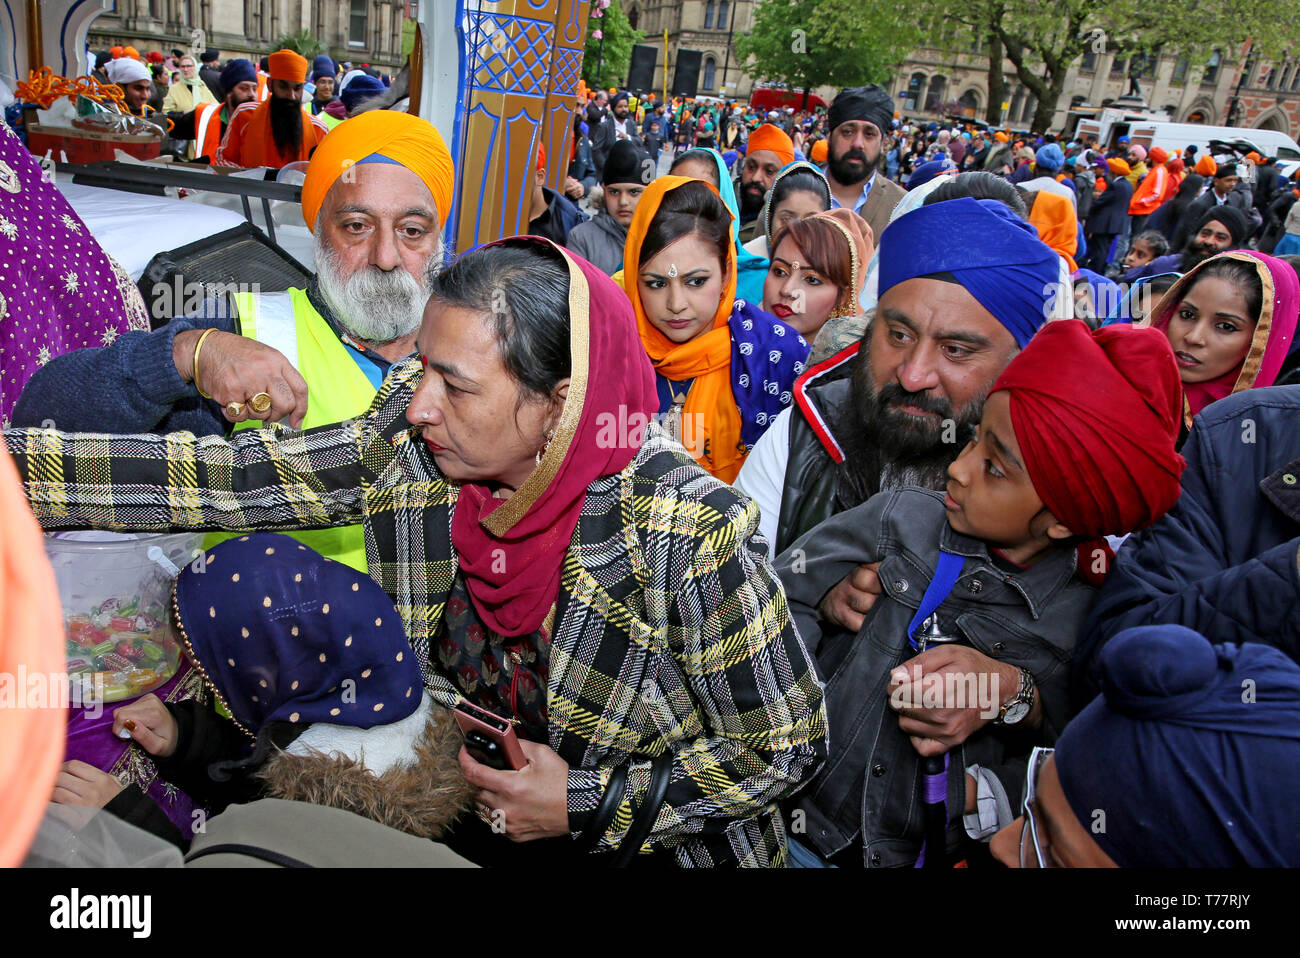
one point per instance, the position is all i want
(288, 66)
(541, 156)
(1097, 416)
(769, 137)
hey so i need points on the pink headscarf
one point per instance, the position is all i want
(1274, 328)
(512, 550)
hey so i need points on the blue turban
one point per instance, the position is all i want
(1049, 158)
(236, 72)
(360, 87)
(929, 170)
(283, 634)
(996, 256)
(1192, 751)
(322, 66)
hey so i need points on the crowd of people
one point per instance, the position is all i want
(819, 502)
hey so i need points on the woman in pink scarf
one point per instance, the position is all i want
(1231, 322)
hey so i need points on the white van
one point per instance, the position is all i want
(1178, 136)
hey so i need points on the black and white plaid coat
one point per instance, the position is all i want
(671, 629)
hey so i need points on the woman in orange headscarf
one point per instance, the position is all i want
(724, 368)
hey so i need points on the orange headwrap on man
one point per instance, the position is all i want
(1158, 155)
(1206, 166)
(378, 136)
(769, 137)
(818, 153)
(131, 52)
(287, 65)
(1118, 167)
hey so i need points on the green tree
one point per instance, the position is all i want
(839, 43)
(1044, 40)
(303, 42)
(608, 52)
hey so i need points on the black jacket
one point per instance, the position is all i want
(1109, 211)
(1223, 561)
(868, 788)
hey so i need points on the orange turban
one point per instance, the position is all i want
(1158, 155)
(116, 51)
(31, 737)
(1206, 166)
(541, 155)
(1118, 167)
(818, 152)
(769, 137)
(1001, 137)
(1057, 223)
(402, 138)
(131, 52)
(1254, 157)
(287, 65)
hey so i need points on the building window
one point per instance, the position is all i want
(1211, 71)
(915, 92)
(1031, 104)
(633, 17)
(357, 19)
(1089, 64)
(722, 15)
(1181, 66)
(938, 90)
(969, 102)
(710, 9)
(710, 68)
(1119, 66)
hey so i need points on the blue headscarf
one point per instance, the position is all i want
(1106, 293)
(361, 87)
(281, 633)
(767, 356)
(751, 270)
(996, 256)
(1192, 752)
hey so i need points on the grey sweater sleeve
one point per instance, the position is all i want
(127, 388)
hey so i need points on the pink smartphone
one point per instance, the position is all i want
(489, 738)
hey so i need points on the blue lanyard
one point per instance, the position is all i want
(945, 577)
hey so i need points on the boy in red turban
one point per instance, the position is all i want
(985, 589)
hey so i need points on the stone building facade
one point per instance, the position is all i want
(360, 31)
(708, 26)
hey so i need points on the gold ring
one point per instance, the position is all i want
(234, 409)
(260, 403)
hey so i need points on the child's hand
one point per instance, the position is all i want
(148, 722)
(947, 693)
(82, 784)
(849, 601)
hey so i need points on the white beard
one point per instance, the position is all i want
(372, 305)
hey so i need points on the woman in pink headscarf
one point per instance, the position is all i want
(1231, 322)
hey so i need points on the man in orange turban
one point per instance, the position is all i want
(277, 131)
(377, 193)
(769, 149)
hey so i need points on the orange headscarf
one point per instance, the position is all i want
(401, 137)
(1057, 223)
(819, 151)
(287, 65)
(31, 739)
(1206, 166)
(706, 358)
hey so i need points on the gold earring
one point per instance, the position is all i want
(550, 434)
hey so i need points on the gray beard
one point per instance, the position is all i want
(373, 305)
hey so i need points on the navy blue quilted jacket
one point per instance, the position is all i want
(1223, 561)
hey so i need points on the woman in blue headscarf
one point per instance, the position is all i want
(751, 269)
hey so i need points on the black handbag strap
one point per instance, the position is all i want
(605, 811)
(252, 851)
(661, 773)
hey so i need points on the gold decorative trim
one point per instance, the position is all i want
(539, 480)
(198, 666)
(1263, 327)
(852, 292)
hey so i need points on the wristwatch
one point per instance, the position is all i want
(1021, 704)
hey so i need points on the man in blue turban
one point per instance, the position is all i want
(964, 284)
(1190, 757)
